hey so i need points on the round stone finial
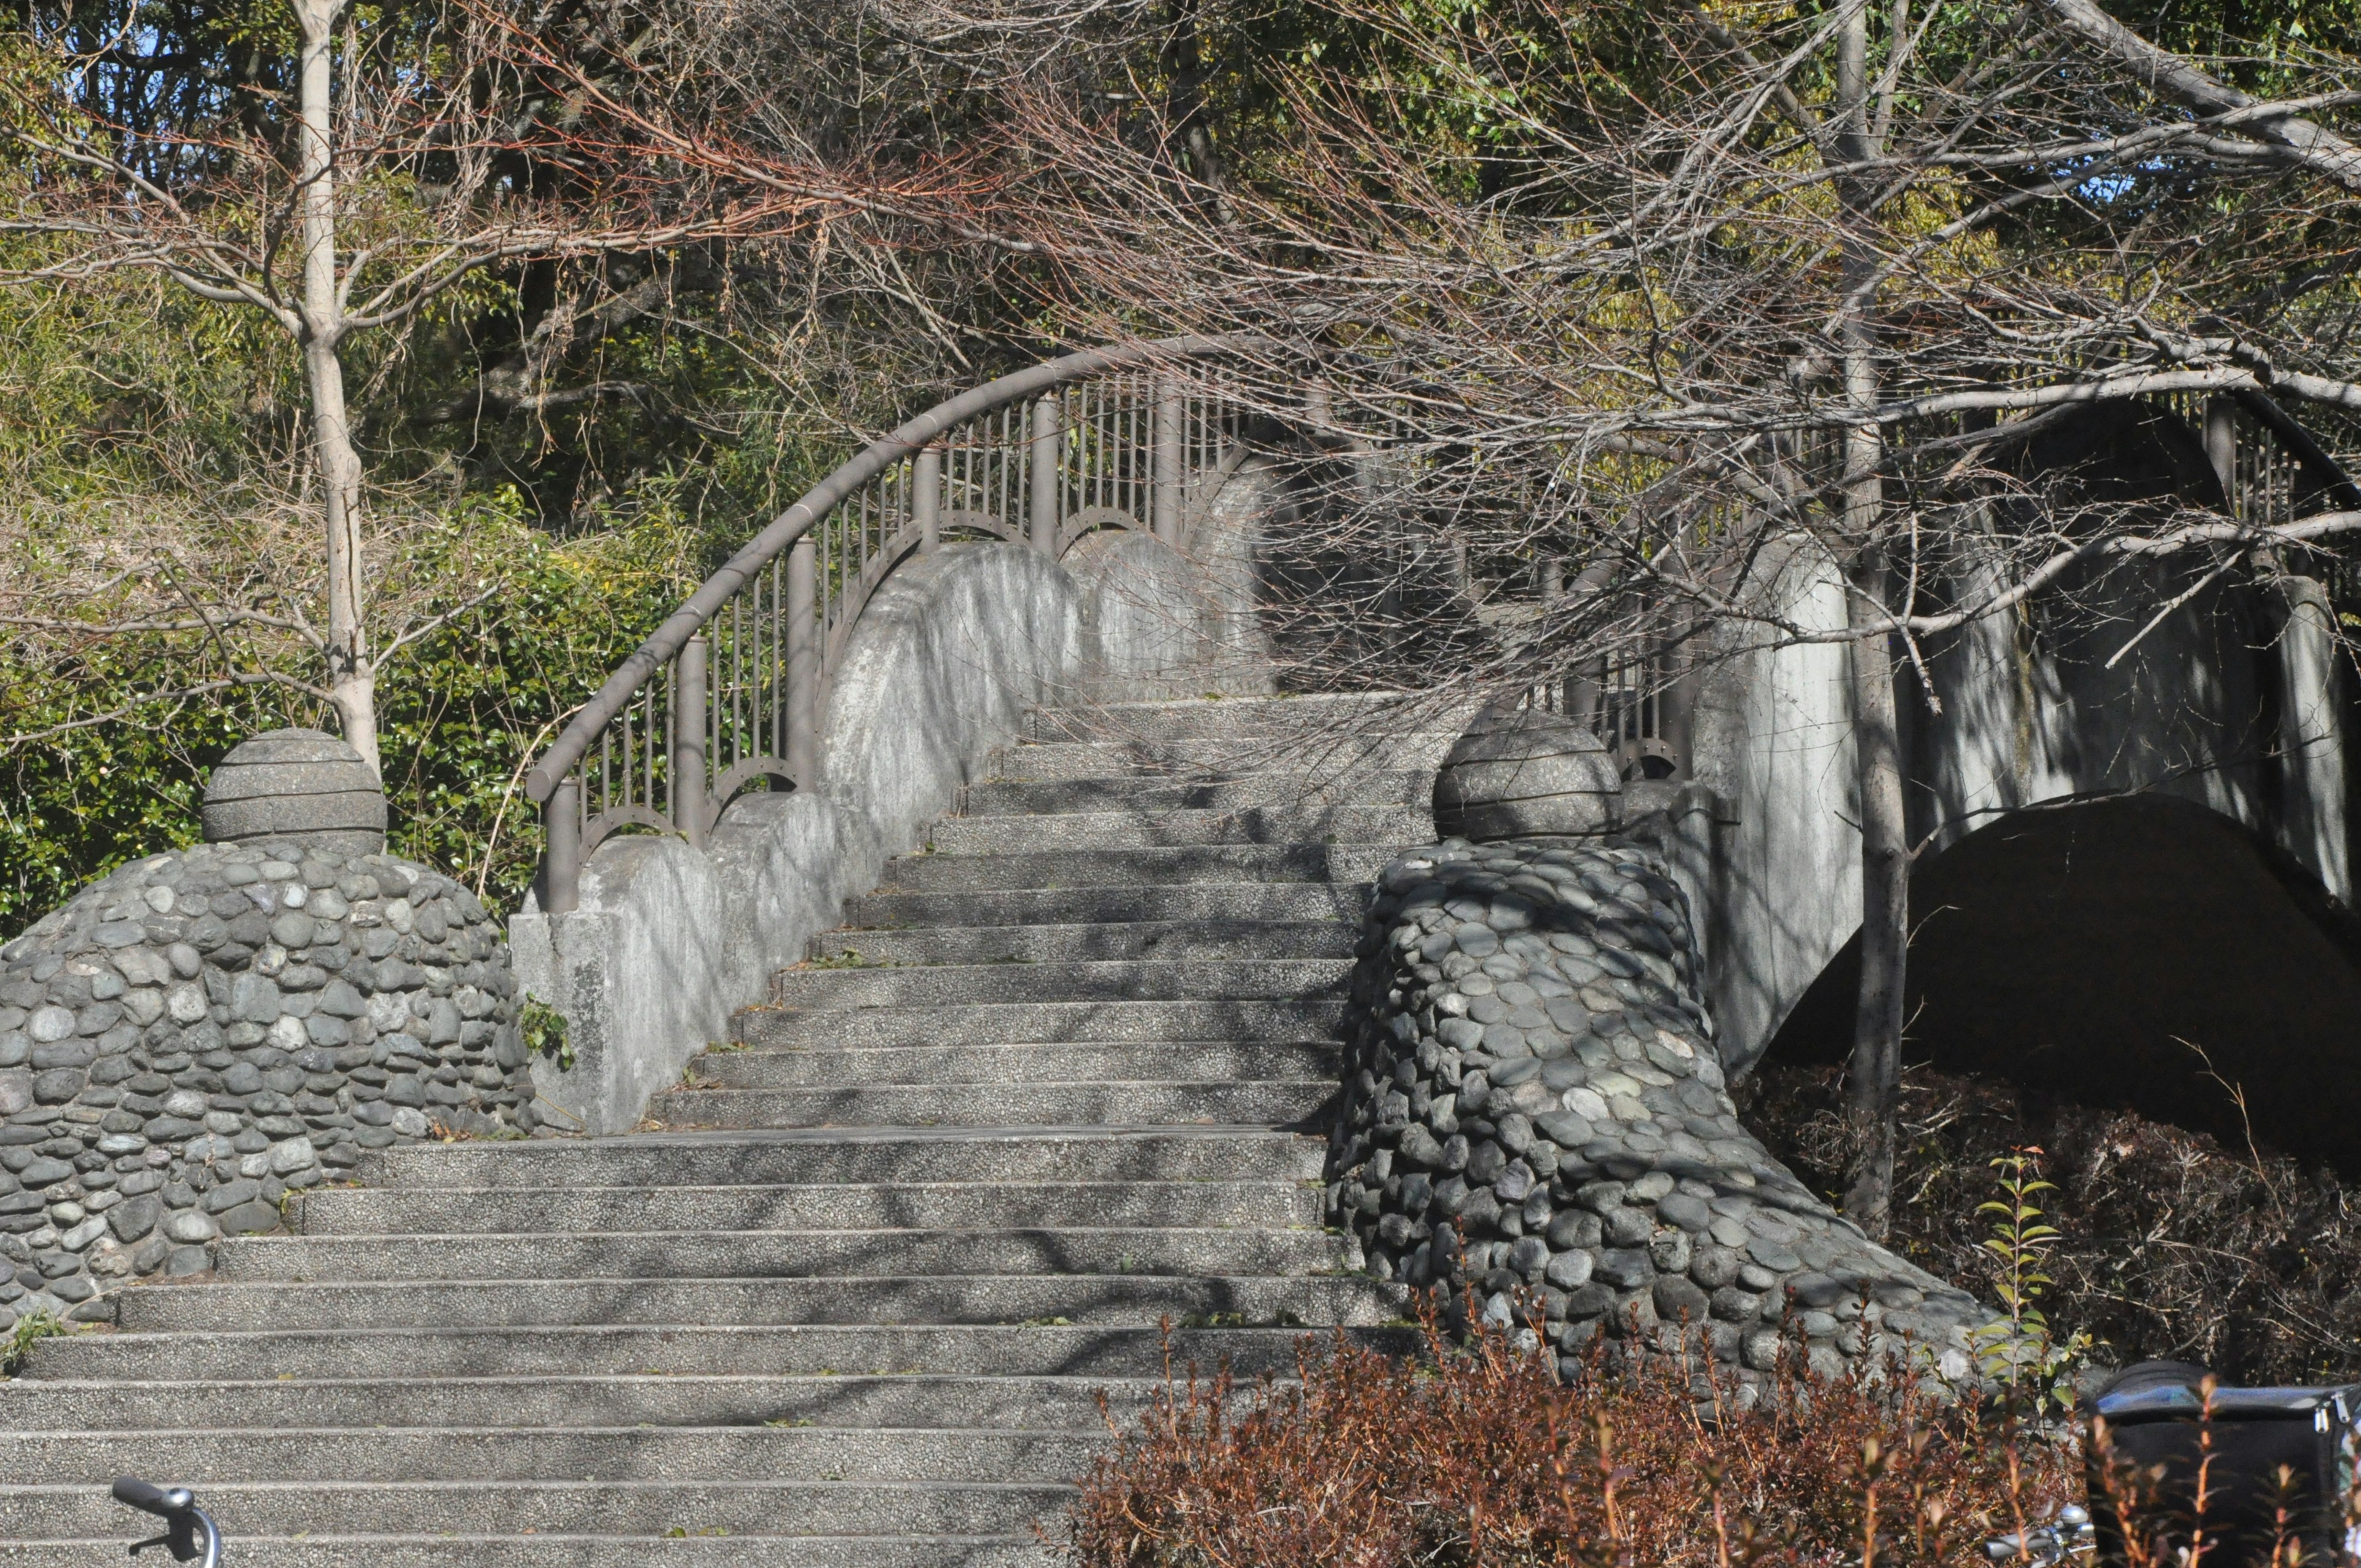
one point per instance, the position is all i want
(300, 784)
(1526, 773)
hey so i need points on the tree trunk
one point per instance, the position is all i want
(352, 677)
(1875, 1068)
(1871, 1079)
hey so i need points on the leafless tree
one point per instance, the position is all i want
(1634, 289)
(414, 155)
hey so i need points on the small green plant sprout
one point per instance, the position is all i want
(2018, 1353)
(17, 1347)
(544, 1028)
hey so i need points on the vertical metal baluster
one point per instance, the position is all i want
(689, 709)
(803, 665)
(1164, 467)
(1041, 461)
(926, 502)
(775, 671)
(825, 574)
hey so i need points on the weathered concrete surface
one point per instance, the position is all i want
(668, 941)
(1225, 542)
(2232, 703)
(637, 971)
(1779, 886)
(1150, 622)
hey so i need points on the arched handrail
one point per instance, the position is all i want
(1090, 438)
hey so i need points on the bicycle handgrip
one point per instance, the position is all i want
(150, 1498)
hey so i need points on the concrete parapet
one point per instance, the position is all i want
(669, 940)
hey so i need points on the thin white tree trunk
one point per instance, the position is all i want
(352, 677)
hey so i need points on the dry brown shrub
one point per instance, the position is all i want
(2171, 1245)
(1483, 1455)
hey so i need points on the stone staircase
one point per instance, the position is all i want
(1059, 1082)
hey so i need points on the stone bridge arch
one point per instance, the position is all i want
(2143, 951)
(2215, 750)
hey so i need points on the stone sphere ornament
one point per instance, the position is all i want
(302, 785)
(1526, 773)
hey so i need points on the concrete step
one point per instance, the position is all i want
(1412, 788)
(1065, 1061)
(1109, 942)
(1059, 762)
(1136, 980)
(206, 1456)
(483, 1211)
(1039, 1022)
(980, 1299)
(573, 1507)
(1038, 1403)
(892, 1155)
(455, 1549)
(1396, 826)
(1135, 868)
(1277, 1103)
(1332, 764)
(823, 1350)
(1343, 902)
(779, 1255)
(875, 1343)
(1309, 714)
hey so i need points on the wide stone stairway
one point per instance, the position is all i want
(1058, 1082)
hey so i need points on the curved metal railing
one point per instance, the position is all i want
(729, 690)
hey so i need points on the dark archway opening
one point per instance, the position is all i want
(2071, 950)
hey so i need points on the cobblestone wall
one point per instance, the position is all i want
(1536, 1109)
(202, 1032)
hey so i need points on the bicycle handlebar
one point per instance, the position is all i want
(148, 1497)
(189, 1535)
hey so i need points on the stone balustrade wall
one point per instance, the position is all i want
(1535, 1110)
(201, 1033)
